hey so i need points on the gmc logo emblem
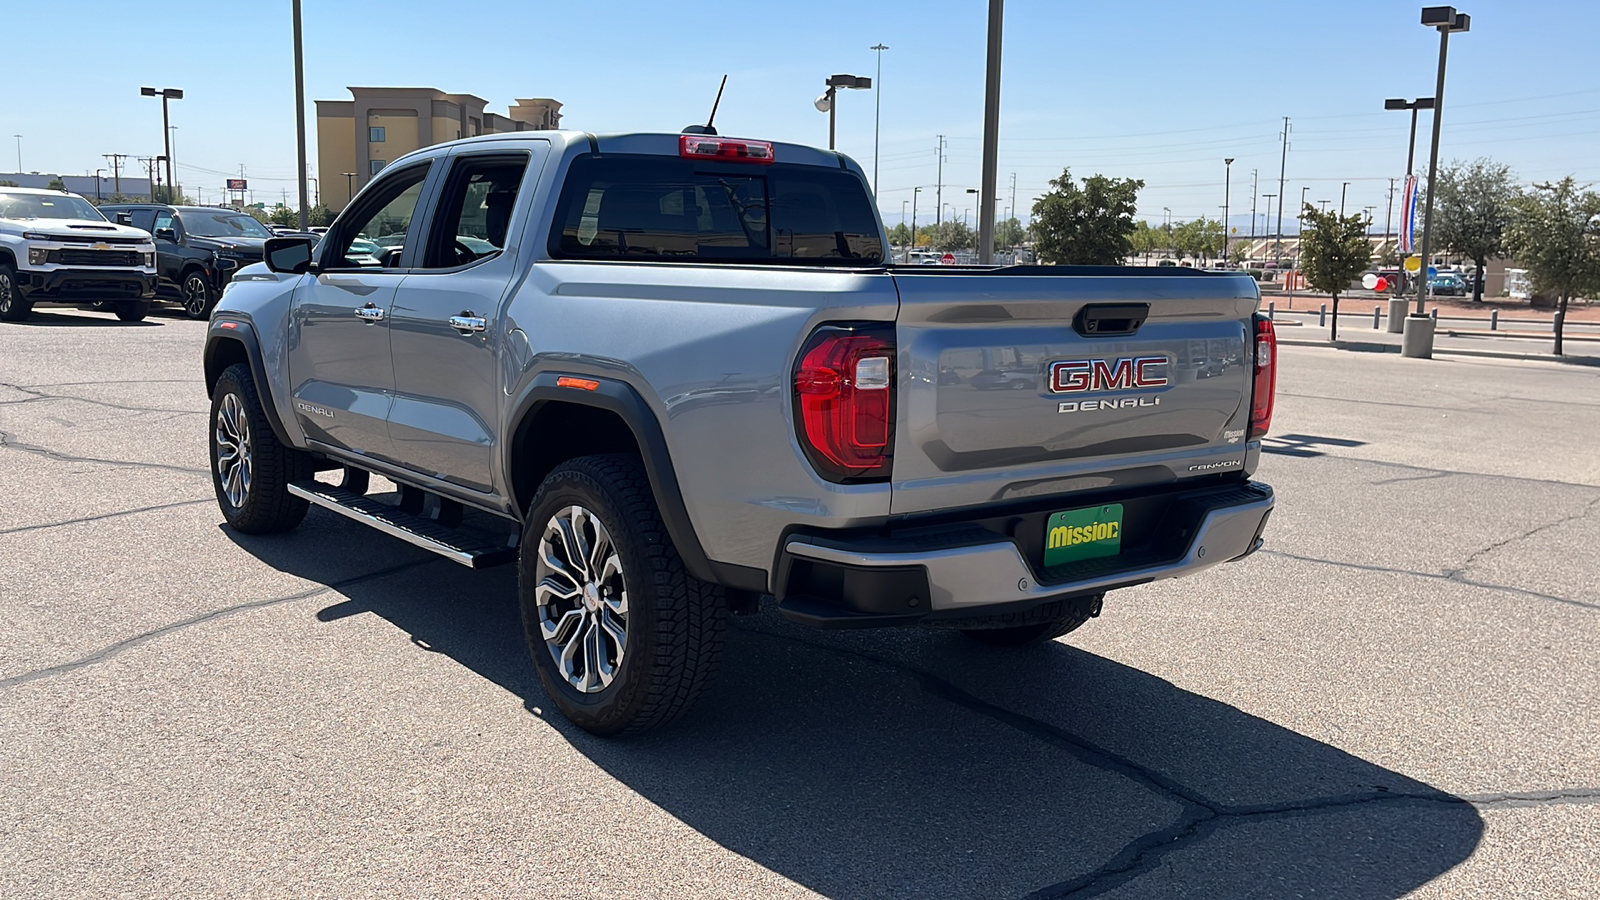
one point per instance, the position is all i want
(1071, 376)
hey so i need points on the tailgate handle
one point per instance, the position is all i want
(1110, 319)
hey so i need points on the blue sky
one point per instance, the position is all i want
(1161, 91)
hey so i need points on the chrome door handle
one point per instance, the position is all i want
(370, 313)
(468, 324)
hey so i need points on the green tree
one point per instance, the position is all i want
(321, 216)
(1333, 252)
(1145, 239)
(283, 215)
(1200, 238)
(9, 183)
(1009, 234)
(1553, 233)
(900, 235)
(1088, 226)
(56, 184)
(950, 235)
(1472, 211)
(1239, 252)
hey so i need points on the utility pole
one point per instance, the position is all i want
(938, 189)
(1283, 164)
(116, 170)
(1342, 191)
(991, 134)
(1388, 217)
(1253, 189)
(300, 115)
(150, 175)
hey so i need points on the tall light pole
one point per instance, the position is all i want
(1283, 165)
(914, 192)
(349, 187)
(1341, 197)
(991, 134)
(1268, 217)
(1227, 196)
(828, 101)
(1398, 304)
(1418, 340)
(166, 136)
(1166, 225)
(877, 115)
(300, 116)
(19, 152)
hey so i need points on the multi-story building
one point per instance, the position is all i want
(357, 138)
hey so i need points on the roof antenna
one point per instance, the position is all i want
(708, 128)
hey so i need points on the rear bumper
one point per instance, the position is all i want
(86, 284)
(974, 569)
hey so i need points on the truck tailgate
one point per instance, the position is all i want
(1003, 396)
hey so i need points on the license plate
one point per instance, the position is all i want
(1079, 534)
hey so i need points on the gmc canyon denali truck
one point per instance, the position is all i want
(671, 375)
(56, 246)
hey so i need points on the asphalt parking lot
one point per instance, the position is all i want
(1398, 695)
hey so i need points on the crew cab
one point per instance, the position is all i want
(198, 248)
(672, 377)
(55, 246)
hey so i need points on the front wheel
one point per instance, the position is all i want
(623, 638)
(250, 469)
(196, 295)
(133, 310)
(13, 308)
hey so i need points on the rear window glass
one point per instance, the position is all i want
(681, 210)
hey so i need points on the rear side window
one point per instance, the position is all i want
(662, 208)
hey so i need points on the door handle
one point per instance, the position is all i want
(370, 313)
(468, 324)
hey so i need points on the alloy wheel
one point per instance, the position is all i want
(582, 597)
(6, 292)
(234, 459)
(194, 296)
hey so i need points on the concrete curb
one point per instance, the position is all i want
(1374, 347)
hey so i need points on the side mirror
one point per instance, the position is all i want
(289, 256)
(124, 218)
(167, 234)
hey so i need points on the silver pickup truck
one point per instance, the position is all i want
(673, 376)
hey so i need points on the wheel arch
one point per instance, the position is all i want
(230, 342)
(7, 257)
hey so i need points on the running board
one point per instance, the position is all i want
(471, 547)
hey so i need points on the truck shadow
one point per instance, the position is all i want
(912, 763)
(70, 317)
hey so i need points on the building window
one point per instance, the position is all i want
(375, 166)
(376, 134)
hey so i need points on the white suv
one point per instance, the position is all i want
(55, 245)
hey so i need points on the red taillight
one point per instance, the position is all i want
(844, 401)
(1266, 380)
(700, 146)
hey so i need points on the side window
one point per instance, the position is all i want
(376, 234)
(475, 210)
(164, 220)
(145, 219)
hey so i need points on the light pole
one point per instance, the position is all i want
(166, 136)
(349, 187)
(1418, 340)
(300, 117)
(19, 152)
(1369, 210)
(1227, 193)
(1398, 304)
(914, 192)
(877, 115)
(827, 102)
(1341, 197)
(1166, 225)
(97, 184)
(991, 133)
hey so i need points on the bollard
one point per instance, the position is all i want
(1272, 310)
(1322, 317)
(1377, 318)
(1435, 313)
(1494, 320)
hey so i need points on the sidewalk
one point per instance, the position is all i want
(1301, 328)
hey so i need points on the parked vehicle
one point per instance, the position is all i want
(684, 379)
(1006, 380)
(1447, 284)
(56, 247)
(198, 248)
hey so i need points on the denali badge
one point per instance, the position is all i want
(1071, 376)
(314, 410)
(1067, 406)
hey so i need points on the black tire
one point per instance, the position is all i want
(1042, 623)
(133, 310)
(196, 295)
(13, 306)
(674, 623)
(265, 506)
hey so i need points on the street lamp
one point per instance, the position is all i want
(1397, 303)
(1418, 339)
(914, 192)
(19, 152)
(166, 136)
(97, 185)
(1341, 198)
(1227, 193)
(349, 187)
(877, 115)
(1166, 225)
(826, 102)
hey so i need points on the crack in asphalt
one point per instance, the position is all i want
(116, 649)
(1467, 564)
(36, 396)
(8, 441)
(1201, 816)
(1457, 578)
(1434, 469)
(104, 516)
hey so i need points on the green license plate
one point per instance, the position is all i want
(1079, 534)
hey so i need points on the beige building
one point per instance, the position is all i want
(380, 125)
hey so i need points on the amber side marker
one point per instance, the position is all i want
(587, 384)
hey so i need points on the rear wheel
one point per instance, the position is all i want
(196, 295)
(623, 638)
(1042, 623)
(250, 470)
(133, 310)
(13, 308)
